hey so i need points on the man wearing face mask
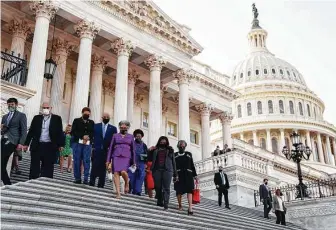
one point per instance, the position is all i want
(82, 133)
(103, 133)
(13, 135)
(45, 137)
(266, 197)
(222, 186)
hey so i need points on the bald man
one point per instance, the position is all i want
(102, 136)
(45, 137)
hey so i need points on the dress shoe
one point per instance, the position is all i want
(77, 181)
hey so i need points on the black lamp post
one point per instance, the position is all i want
(50, 65)
(297, 154)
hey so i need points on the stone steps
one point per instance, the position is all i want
(60, 204)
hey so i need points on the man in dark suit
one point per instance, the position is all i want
(45, 138)
(265, 197)
(13, 135)
(102, 137)
(222, 186)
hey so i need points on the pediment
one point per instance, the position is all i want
(147, 16)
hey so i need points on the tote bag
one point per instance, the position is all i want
(196, 198)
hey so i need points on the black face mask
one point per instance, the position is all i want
(220, 170)
(266, 183)
(106, 120)
(86, 116)
(181, 149)
(138, 140)
(123, 131)
(162, 145)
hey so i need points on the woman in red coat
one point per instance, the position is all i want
(149, 175)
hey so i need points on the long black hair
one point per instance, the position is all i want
(161, 138)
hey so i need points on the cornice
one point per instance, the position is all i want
(144, 16)
(16, 90)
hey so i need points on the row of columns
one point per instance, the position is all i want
(306, 136)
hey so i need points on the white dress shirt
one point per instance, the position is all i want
(45, 137)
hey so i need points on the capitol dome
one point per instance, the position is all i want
(274, 101)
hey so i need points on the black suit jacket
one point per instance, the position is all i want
(264, 193)
(218, 180)
(55, 132)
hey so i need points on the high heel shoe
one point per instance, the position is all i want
(190, 213)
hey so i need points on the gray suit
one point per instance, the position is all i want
(15, 134)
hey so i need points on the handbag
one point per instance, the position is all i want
(196, 194)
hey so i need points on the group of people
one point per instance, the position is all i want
(95, 149)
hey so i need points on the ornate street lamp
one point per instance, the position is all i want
(50, 65)
(297, 154)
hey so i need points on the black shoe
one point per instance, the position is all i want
(220, 205)
(92, 184)
(86, 182)
(159, 204)
(228, 207)
(77, 181)
(190, 213)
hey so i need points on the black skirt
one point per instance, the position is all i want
(185, 183)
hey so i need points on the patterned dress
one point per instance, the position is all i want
(67, 151)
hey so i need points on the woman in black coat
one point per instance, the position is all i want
(186, 175)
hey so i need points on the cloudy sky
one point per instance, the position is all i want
(301, 32)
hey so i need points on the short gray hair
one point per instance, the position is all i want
(181, 141)
(125, 122)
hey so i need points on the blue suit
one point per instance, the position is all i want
(101, 143)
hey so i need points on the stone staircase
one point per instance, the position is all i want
(59, 204)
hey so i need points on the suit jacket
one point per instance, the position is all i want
(55, 132)
(218, 180)
(17, 127)
(264, 193)
(100, 142)
(276, 205)
(78, 131)
(170, 163)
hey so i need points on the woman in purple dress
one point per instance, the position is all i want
(121, 155)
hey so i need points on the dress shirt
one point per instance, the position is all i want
(223, 178)
(104, 129)
(9, 118)
(45, 137)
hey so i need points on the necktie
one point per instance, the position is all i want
(9, 118)
(104, 130)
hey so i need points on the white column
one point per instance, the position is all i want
(226, 119)
(20, 30)
(255, 138)
(282, 140)
(44, 11)
(183, 79)
(124, 49)
(330, 155)
(320, 149)
(63, 49)
(334, 148)
(155, 64)
(87, 32)
(241, 136)
(98, 66)
(268, 140)
(133, 77)
(73, 82)
(205, 110)
(309, 145)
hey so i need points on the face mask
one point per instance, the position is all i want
(220, 170)
(106, 120)
(138, 140)
(123, 131)
(45, 112)
(266, 183)
(11, 108)
(181, 149)
(86, 116)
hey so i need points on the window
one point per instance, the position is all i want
(234, 77)
(308, 110)
(64, 91)
(300, 109)
(265, 71)
(241, 75)
(281, 107)
(316, 152)
(193, 137)
(275, 145)
(145, 119)
(288, 73)
(259, 107)
(291, 107)
(172, 129)
(257, 72)
(263, 143)
(251, 142)
(249, 73)
(249, 109)
(270, 106)
(294, 75)
(281, 72)
(273, 71)
(314, 112)
(239, 111)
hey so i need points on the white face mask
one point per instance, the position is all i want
(45, 111)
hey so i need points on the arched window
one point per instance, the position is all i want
(249, 109)
(257, 72)
(251, 142)
(270, 106)
(263, 143)
(281, 72)
(281, 107)
(291, 107)
(273, 71)
(241, 75)
(265, 71)
(249, 73)
(294, 75)
(259, 107)
(288, 73)
(275, 145)
(308, 110)
(300, 109)
(234, 77)
(239, 111)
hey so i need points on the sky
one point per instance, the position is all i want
(302, 33)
